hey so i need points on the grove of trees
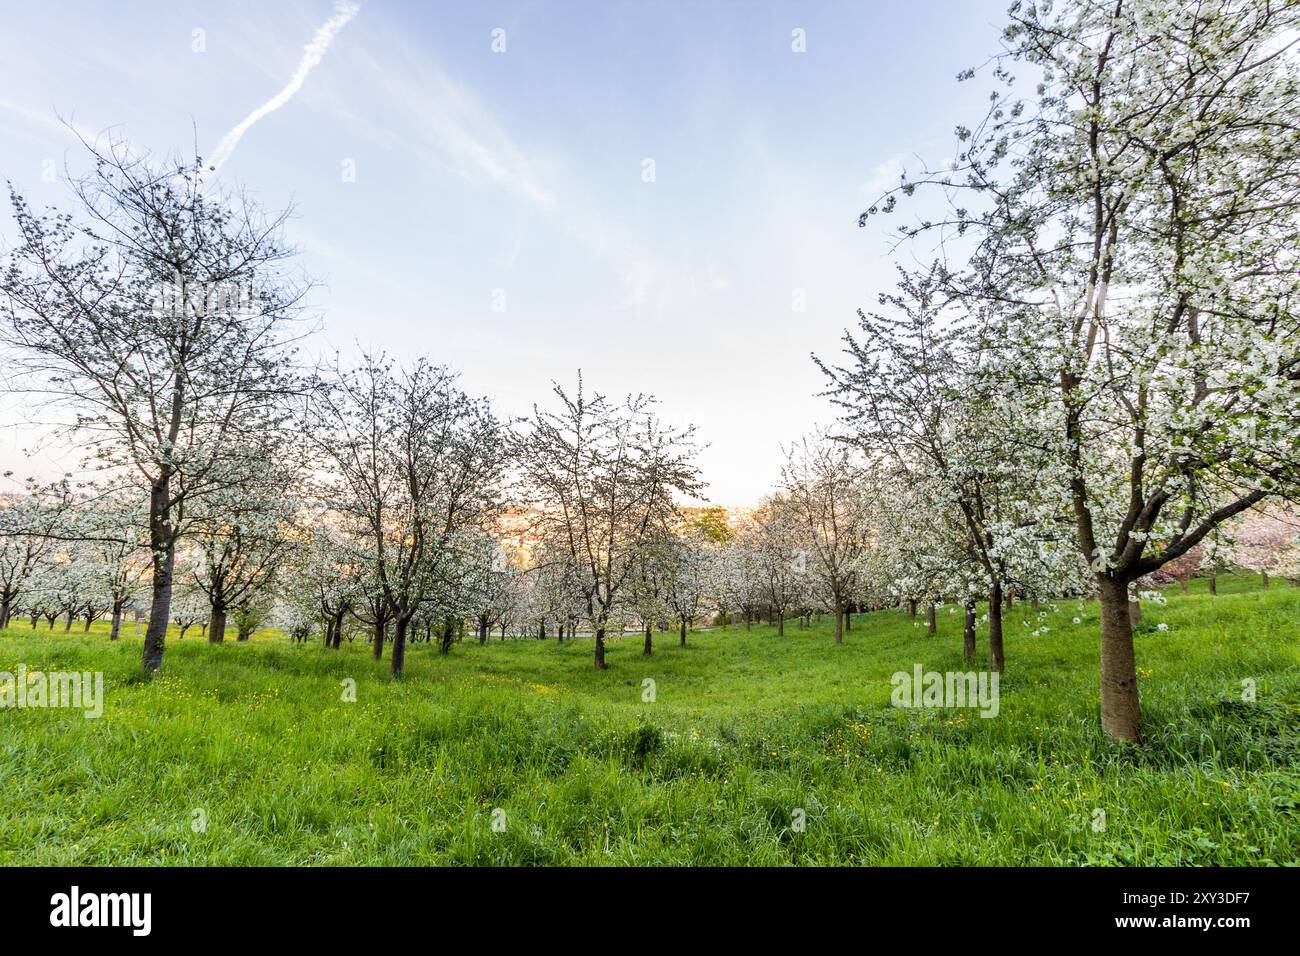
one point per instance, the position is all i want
(1093, 386)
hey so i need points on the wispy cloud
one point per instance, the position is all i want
(413, 104)
(884, 175)
(447, 124)
(312, 54)
(51, 121)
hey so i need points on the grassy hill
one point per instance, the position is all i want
(748, 733)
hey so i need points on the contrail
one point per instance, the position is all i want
(312, 54)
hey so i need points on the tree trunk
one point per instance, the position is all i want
(115, 631)
(448, 632)
(600, 648)
(1264, 575)
(911, 608)
(682, 642)
(399, 645)
(995, 627)
(381, 632)
(931, 624)
(482, 631)
(780, 624)
(6, 608)
(243, 632)
(1121, 714)
(968, 632)
(155, 636)
(649, 645)
(217, 625)
(848, 617)
(1214, 582)
(839, 622)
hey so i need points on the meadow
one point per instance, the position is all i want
(756, 749)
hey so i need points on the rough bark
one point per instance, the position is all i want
(995, 628)
(600, 648)
(649, 644)
(155, 636)
(1121, 715)
(217, 625)
(968, 632)
(399, 646)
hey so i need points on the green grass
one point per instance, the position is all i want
(746, 727)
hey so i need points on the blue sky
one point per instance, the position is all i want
(517, 177)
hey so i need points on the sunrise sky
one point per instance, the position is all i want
(494, 208)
